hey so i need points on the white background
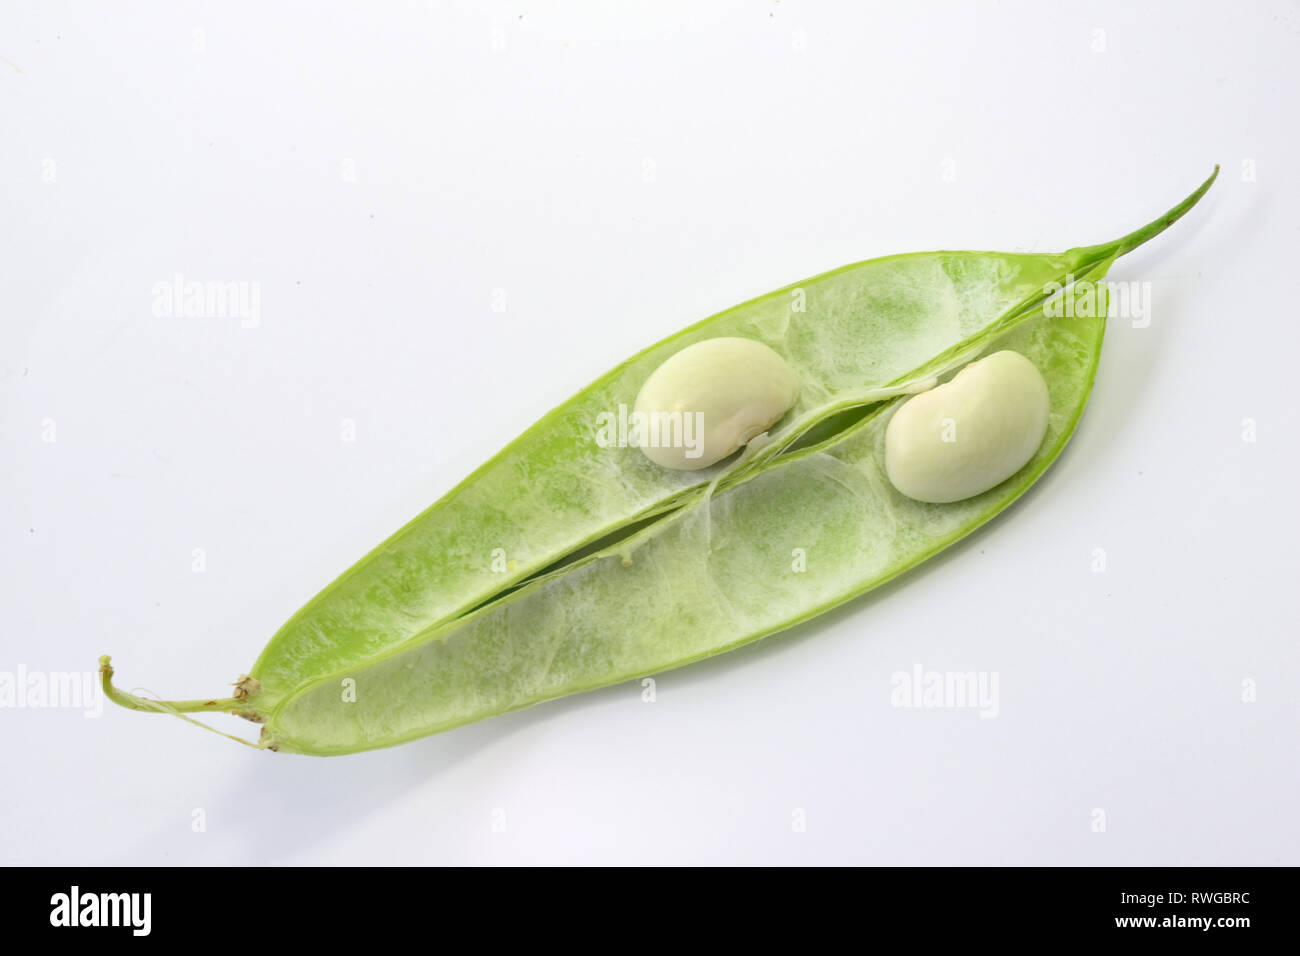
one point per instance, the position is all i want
(619, 174)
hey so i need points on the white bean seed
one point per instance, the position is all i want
(964, 437)
(712, 398)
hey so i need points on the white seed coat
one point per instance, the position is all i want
(735, 389)
(962, 438)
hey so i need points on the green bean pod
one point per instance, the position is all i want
(564, 563)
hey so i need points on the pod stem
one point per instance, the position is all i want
(131, 701)
(180, 708)
(1126, 244)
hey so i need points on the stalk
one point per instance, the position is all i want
(180, 708)
(1126, 244)
(132, 702)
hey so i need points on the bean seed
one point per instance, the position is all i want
(715, 396)
(962, 438)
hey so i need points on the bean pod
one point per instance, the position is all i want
(571, 561)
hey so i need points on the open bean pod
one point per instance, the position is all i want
(568, 562)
